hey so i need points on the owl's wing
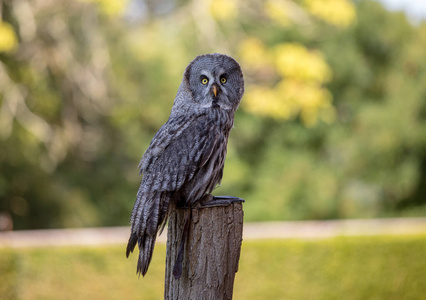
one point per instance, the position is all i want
(175, 154)
(178, 149)
(170, 131)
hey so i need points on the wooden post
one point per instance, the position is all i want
(211, 254)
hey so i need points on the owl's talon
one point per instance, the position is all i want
(216, 201)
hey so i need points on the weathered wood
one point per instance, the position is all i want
(211, 255)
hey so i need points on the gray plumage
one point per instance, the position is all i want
(185, 159)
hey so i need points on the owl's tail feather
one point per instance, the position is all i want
(148, 216)
(146, 247)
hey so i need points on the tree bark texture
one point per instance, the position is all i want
(211, 253)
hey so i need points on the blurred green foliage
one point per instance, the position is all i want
(332, 124)
(346, 267)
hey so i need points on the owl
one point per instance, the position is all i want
(185, 159)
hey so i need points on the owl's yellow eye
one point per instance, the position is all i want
(204, 81)
(223, 79)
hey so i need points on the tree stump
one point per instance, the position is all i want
(211, 253)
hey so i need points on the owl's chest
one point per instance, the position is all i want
(223, 120)
(207, 177)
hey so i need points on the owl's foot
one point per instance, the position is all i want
(213, 201)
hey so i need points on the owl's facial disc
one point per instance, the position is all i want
(215, 81)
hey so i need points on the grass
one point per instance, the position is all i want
(337, 268)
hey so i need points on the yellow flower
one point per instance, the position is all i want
(253, 53)
(277, 10)
(8, 39)
(110, 7)
(337, 12)
(265, 102)
(223, 9)
(290, 98)
(295, 61)
(305, 94)
(301, 74)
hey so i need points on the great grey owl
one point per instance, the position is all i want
(185, 159)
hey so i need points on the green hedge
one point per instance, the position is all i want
(337, 268)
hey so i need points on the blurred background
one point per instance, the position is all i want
(332, 124)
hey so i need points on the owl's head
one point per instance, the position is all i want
(215, 80)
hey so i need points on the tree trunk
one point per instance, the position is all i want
(211, 253)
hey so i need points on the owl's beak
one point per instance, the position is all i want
(214, 87)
